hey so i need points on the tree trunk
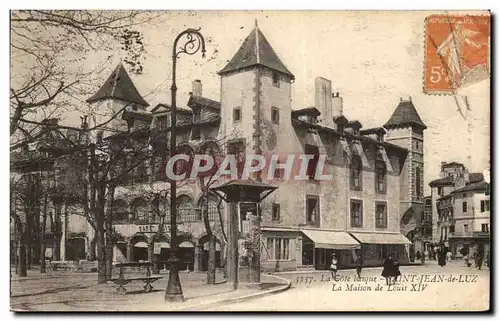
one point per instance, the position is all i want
(109, 232)
(211, 261)
(109, 249)
(22, 257)
(42, 239)
(16, 256)
(101, 255)
(42, 257)
(92, 254)
(57, 247)
(211, 240)
(29, 256)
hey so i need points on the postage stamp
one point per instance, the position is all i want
(457, 52)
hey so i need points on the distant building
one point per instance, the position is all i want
(460, 208)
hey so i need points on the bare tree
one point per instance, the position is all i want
(217, 150)
(48, 50)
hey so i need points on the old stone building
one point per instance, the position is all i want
(373, 202)
(461, 208)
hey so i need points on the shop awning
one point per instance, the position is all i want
(163, 245)
(186, 244)
(381, 238)
(141, 244)
(331, 239)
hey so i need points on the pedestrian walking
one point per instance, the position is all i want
(418, 255)
(333, 266)
(388, 270)
(448, 256)
(359, 266)
(466, 260)
(479, 259)
(397, 272)
(441, 257)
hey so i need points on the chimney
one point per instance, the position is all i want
(442, 174)
(197, 88)
(323, 100)
(337, 105)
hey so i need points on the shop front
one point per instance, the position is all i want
(376, 247)
(318, 247)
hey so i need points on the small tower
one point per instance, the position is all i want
(405, 128)
(256, 95)
(117, 94)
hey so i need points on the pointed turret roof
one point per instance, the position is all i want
(405, 114)
(119, 86)
(254, 51)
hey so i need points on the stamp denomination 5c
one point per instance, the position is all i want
(457, 52)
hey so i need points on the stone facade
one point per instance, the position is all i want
(368, 200)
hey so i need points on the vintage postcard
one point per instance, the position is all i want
(250, 160)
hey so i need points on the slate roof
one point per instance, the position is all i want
(405, 114)
(452, 164)
(478, 186)
(354, 124)
(119, 86)
(162, 108)
(311, 111)
(330, 131)
(202, 101)
(476, 177)
(442, 182)
(375, 130)
(254, 51)
(340, 120)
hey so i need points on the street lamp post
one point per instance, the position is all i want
(194, 41)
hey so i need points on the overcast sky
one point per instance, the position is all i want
(372, 58)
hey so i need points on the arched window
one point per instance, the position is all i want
(141, 210)
(380, 176)
(120, 211)
(213, 207)
(160, 210)
(356, 173)
(418, 181)
(185, 209)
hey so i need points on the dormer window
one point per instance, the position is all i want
(276, 79)
(312, 120)
(196, 115)
(134, 107)
(162, 123)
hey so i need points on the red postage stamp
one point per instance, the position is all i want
(457, 52)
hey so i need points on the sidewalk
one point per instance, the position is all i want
(78, 292)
